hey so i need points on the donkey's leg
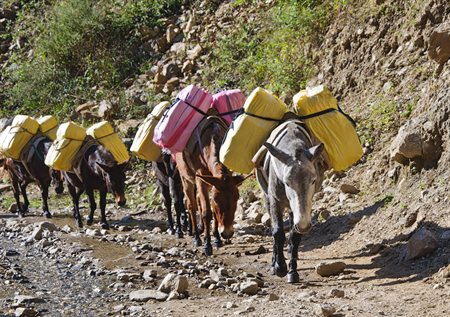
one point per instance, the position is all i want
(44, 194)
(217, 241)
(104, 223)
(26, 202)
(294, 241)
(177, 193)
(278, 260)
(92, 206)
(16, 191)
(189, 191)
(206, 213)
(167, 200)
(75, 194)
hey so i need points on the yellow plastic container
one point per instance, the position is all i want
(104, 133)
(250, 130)
(48, 125)
(15, 137)
(333, 129)
(61, 154)
(143, 146)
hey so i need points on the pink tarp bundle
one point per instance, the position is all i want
(228, 102)
(175, 127)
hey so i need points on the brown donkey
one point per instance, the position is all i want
(200, 169)
(95, 169)
(32, 169)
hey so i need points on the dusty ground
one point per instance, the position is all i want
(71, 273)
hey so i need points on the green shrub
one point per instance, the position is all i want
(270, 50)
(85, 50)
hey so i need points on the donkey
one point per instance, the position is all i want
(201, 170)
(290, 173)
(168, 181)
(95, 169)
(32, 169)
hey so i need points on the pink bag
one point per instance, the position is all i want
(228, 103)
(175, 127)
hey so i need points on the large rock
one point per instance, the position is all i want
(249, 287)
(147, 294)
(174, 283)
(171, 70)
(194, 53)
(407, 144)
(25, 312)
(27, 299)
(326, 269)
(439, 48)
(421, 243)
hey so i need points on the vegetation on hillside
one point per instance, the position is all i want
(80, 50)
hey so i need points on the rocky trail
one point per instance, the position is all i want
(51, 268)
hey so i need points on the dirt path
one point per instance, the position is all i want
(92, 273)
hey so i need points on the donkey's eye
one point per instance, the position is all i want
(313, 181)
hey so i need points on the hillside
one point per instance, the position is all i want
(386, 61)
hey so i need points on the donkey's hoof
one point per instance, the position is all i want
(47, 215)
(200, 228)
(171, 231)
(79, 223)
(21, 214)
(89, 221)
(105, 225)
(293, 277)
(179, 234)
(197, 242)
(208, 250)
(218, 243)
(280, 271)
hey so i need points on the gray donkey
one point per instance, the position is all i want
(289, 174)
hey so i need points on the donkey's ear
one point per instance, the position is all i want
(239, 179)
(104, 167)
(283, 157)
(314, 152)
(210, 180)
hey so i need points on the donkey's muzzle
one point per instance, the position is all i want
(226, 233)
(121, 201)
(300, 230)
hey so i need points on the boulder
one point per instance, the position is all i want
(25, 312)
(326, 269)
(439, 48)
(194, 53)
(349, 189)
(249, 287)
(178, 48)
(171, 70)
(266, 220)
(422, 243)
(407, 144)
(325, 310)
(174, 283)
(147, 294)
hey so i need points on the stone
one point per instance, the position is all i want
(173, 282)
(178, 48)
(171, 70)
(13, 208)
(36, 234)
(188, 67)
(326, 269)
(149, 275)
(194, 53)
(266, 220)
(27, 299)
(147, 294)
(48, 226)
(249, 288)
(272, 297)
(171, 33)
(349, 189)
(407, 144)
(337, 293)
(229, 305)
(254, 216)
(439, 47)
(325, 310)
(423, 242)
(214, 276)
(5, 188)
(25, 312)
(7, 14)
(93, 232)
(105, 109)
